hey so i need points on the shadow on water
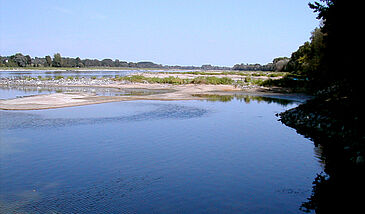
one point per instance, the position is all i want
(335, 126)
(341, 186)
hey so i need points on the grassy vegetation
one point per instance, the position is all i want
(239, 73)
(208, 78)
(177, 80)
(59, 77)
(250, 81)
(296, 83)
(248, 78)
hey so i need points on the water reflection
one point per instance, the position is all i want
(245, 98)
(339, 187)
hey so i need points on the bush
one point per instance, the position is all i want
(58, 77)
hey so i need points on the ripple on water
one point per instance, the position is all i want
(21, 120)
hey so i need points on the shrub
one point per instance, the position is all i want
(176, 80)
(58, 77)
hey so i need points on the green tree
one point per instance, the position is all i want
(79, 62)
(341, 37)
(28, 60)
(18, 59)
(306, 60)
(280, 63)
(57, 60)
(48, 61)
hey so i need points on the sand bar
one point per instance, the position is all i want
(60, 100)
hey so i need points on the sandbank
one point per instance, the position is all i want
(60, 100)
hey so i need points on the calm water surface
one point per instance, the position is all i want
(24, 91)
(154, 157)
(81, 73)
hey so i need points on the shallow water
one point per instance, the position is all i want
(23, 91)
(154, 157)
(91, 73)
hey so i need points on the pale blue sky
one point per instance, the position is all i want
(183, 32)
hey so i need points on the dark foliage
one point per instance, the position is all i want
(334, 119)
(330, 58)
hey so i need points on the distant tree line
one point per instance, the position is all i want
(278, 64)
(20, 60)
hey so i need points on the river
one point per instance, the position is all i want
(72, 73)
(155, 157)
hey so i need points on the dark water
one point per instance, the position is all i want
(154, 157)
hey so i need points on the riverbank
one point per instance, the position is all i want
(59, 100)
(333, 120)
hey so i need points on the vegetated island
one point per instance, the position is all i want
(191, 85)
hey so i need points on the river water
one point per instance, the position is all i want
(71, 73)
(155, 157)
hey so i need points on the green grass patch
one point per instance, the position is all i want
(240, 73)
(176, 80)
(294, 82)
(58, 77)
(213, 80)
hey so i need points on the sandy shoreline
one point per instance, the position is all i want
(59, 100)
